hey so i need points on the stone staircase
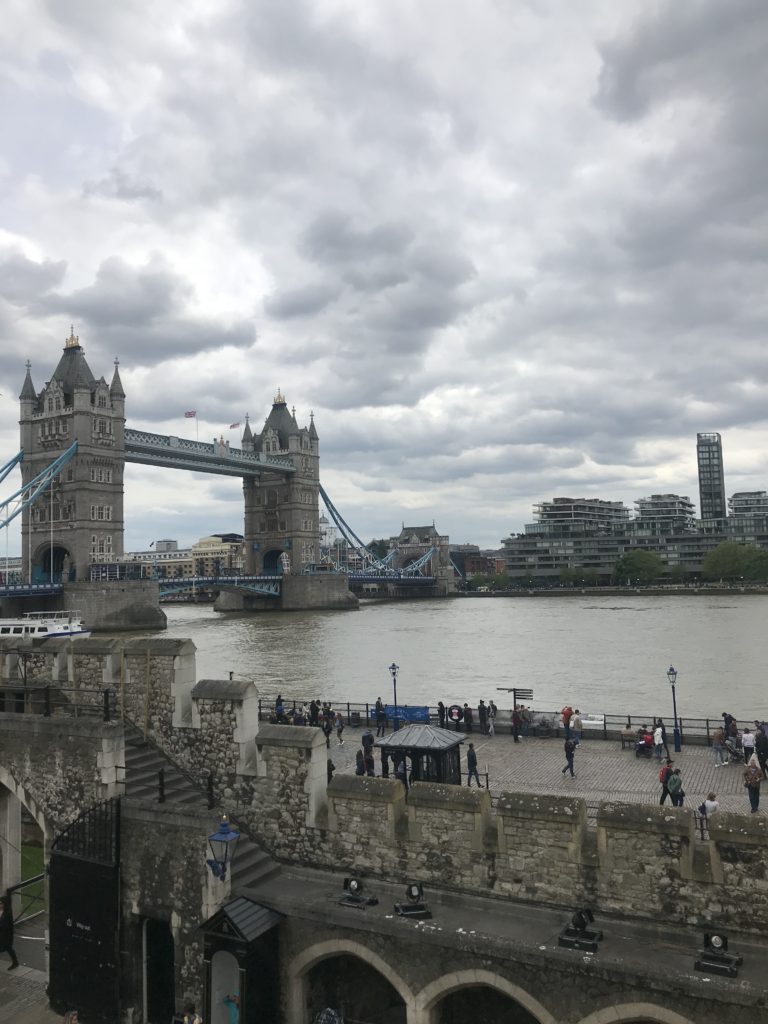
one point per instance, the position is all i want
(143, 764)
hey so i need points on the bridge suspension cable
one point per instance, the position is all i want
(6, 469)
(351, 537)
(27, 493)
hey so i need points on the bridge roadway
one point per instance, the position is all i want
(603, 770)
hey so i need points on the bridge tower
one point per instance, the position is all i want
(282, 511)
(79, 520)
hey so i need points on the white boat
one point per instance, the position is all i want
(45, 624)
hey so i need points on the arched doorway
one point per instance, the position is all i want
(357, 990)
(481, 1002)
(225, 982)
(272, 564)
(23, 857)
(56, 557)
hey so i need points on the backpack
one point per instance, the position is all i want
(664, 773)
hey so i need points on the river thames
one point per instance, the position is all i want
(599, 653)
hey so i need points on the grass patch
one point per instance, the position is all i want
(32, 864)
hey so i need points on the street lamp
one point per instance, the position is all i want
(223, 845)
(393, 670)
(672, 677)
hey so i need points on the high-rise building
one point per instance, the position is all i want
(709, 455)
(664, 513)
(749, 503)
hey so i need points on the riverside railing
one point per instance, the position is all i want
(49, 701)
(605, 726)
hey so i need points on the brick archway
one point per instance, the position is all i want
(631, 1012)
(10, 783)
(303, 962)
(431, 994)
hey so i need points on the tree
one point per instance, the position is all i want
(728, 561)
(378, 548)
(644, 566)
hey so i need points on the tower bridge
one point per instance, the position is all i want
(74, 444)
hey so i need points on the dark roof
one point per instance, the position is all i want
(28, 390)
(116, 387)
(424, 533)
(248, 920)
(281, 421)
(73, 371)
(421, 737)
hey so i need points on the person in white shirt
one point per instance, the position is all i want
(710, 804)
(658, 742)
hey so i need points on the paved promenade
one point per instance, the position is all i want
(603, 770)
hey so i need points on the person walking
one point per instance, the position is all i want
(753, 776)
(482, 716)
(472, 772)
(327, 727)
(566, 713)
(761, 749)
(468, 716)
(381, 717)
(491, 718)
(747, 743)
(718, 746)
(338, 724)
(675, 787)
(441, 714)
(517, 722)
(6, 934)
(664, 775)
(575, 724)
(570, 749)
(527, 717)
(658, 743)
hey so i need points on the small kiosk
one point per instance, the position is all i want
(433, 753)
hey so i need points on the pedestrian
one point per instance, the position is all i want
(381, 717)
(367, 741)
(660, 722)
(566, 713)
(6, 934)
(570, 750)
(491, 718)
(468, 716)
(527, 717)
(675, 788)
(441, 714)
(664, 774)
(338, 724)
(575, 725)
(384, 764)
(472, 772)
(232, 1004)
(331, 768)
(482, 716)
(708, 806)
(400, 772)
(327, 727)
(761, 749)
(359, 763)
(370, 765)
(718, 746)
(748, 743)
(658, 742)
(753, 776)
(314, 711)
(517, 722)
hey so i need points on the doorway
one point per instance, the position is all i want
(159, 984)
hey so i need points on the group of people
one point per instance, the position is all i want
(316, 713)
(732, 744)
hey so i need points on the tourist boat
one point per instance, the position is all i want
(45, 624)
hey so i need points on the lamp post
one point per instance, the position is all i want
(672, 677)
(393, 670)
(223, 845)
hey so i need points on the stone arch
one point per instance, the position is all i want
(29, 802)
(304, 961)
(432, 993)
(630, 1012)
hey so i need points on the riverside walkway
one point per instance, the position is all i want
(603, 770)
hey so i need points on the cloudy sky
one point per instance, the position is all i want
(504, 250)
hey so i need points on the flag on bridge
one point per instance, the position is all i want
(191, 415)
(233, 426)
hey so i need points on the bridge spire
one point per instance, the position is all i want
(73, 341)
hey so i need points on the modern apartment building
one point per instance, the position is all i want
(665, 513)
(709, 456)
(749, 503)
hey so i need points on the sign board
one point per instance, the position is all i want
(407, 713)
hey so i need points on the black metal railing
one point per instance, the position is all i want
(603, 726)
(48, 701)
(94, 835)
(29, 899)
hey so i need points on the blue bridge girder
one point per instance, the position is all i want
(28, 492)
(266, 586)
(180, 453)
(30, 589)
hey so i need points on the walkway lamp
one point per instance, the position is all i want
(672, 677)
(223, 845)
(393, 670)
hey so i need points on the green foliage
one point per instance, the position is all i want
(732, 561)
(378, 548)
(644, 566)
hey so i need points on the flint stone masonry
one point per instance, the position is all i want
(57, 768)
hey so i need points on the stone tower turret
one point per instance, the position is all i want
(79, 520)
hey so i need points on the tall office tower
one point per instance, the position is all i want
(709, 454)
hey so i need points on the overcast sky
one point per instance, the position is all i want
(504, 250)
